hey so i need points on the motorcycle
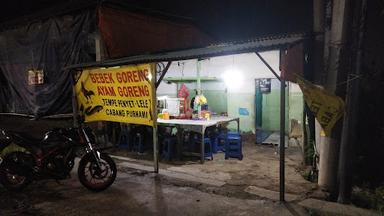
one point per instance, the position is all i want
(53, 157)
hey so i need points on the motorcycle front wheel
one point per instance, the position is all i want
(92, 176)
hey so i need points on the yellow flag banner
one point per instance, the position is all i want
(326, 107)
(119, 94)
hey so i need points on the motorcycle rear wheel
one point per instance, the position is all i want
(91, 177)
(10, 178)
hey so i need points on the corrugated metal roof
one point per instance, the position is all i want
(254, 45)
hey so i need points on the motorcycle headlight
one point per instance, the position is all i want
(4, 139)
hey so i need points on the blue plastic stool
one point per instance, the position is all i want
(233, 134)
(138, 144)
(221, 142)
(192, 142)
(207, 146)
(233, 147)
(124, 142)
(168, 148)
(215, 144)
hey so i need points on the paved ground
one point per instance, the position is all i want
(134, 193)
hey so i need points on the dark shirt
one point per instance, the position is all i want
(192, 102)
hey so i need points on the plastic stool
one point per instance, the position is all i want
(124, 142)
(221, 142)
(233, 148)
(215, 144)
(168, 148)
(207, 147)
(222, 139)
(233, 134)
(138, 144)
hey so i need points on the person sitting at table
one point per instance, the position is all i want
(193, 99)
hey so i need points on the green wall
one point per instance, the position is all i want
(217, 100)
(222, 101)
(242, 100)
(271, 110)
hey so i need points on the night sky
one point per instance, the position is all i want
(224, 20)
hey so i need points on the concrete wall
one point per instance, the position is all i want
(239, 92)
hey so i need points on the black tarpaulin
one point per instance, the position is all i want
(48, 45)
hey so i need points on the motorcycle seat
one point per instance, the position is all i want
(27, 138)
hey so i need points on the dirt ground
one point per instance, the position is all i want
(259, 167)
(133, 193)
(138, 192)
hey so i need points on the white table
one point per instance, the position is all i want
(198, 126)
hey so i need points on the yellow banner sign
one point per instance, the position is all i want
(122, 94)
(326, 107)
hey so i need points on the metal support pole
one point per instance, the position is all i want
(202, 150)
(165, 70)
(282, 127)
(155, 149)
(74, 101)
(154, 119)
(268, 66)
(282, 138)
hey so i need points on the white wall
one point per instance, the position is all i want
(248, 65)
